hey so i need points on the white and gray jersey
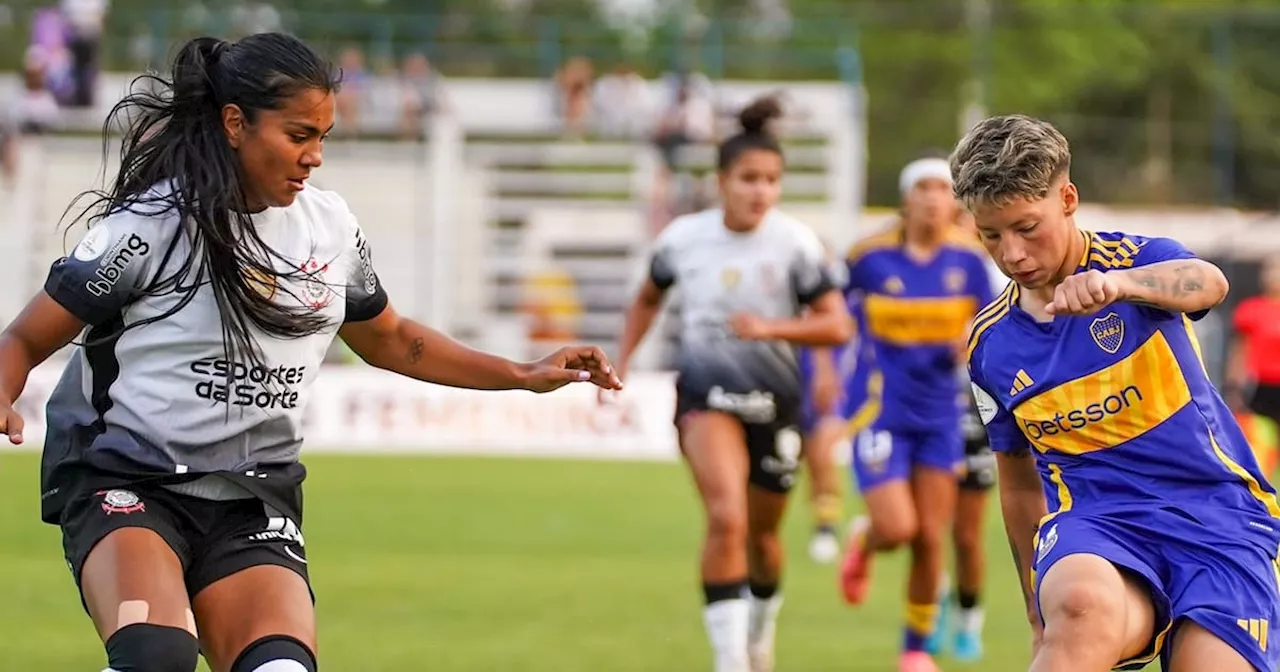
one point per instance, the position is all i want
(163, 396)
(771, 272)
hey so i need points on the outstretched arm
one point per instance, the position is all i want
(41, 329)
(1180, 286)
(398, 344)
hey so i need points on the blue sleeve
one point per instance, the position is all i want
(1146, 251)
(1002, 428)
(856, 276)
(108, 269)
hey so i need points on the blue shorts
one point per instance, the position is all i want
(851, 399)
(883, 456)
(1215, 567)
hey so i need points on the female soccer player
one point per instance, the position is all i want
(207, 292)
(920, 284)
(1255, 355)
(747, 273)
(1163, 533)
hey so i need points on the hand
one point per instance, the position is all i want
(606, 396)
(1084, 294)
(826, 389)
(574, 364)
(11, 423)
(748, 327)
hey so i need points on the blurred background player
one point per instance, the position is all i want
(1253, 377)
(967, 534)
(823, 420)
(1163, 533)
(753, 282)
(920, 284)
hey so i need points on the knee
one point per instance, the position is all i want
(277, 653)
(726, 521)
(763, 542)
(968, 542)
(1083, 612)
(897, 532)
(143, 647)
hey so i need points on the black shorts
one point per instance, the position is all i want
(1266, 402)
(212, 539)
(773, 446)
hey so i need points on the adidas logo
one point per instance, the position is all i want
(1257, 629)
(1020, 382)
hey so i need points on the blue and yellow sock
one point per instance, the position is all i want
(920, 621)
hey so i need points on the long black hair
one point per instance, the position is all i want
(175, 158)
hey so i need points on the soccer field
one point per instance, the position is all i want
(430, 563)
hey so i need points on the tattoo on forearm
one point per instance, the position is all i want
(1172, 282)
(415, 351)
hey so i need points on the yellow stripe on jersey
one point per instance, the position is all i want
(1255, 488)
(1107, 408)
(889, 238)
(918, 321)
(993, 313)
(1113, 254)
(869, 411)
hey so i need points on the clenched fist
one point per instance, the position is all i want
(1084, 294)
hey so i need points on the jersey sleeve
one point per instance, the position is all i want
(1002, 429)
(366, 297)
(810, 272)
(1154, 251)
(108, 269)
(662, 266)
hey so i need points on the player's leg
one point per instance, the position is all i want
(252, 599)
(881, 467)
(1195, 648)
(773, 466)
(820, 444)
(714, 446)
(934, 498)
(260, 619)
(120, 544)
(1094, 615)
(970, 555)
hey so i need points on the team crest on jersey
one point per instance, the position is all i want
(1047, 542)
(730, 277)
(315, 291)
(894, 285)
(1108, 333)
(954, 280)
(121, 501)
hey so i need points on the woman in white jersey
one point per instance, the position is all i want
(210, 285)
(747, 274)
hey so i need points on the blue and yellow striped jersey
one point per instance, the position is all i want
(1117, 407)
(914, 316)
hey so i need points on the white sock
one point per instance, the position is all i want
(970, 620)
(761, 629)
(727, 623)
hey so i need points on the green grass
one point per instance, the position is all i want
(463, 565)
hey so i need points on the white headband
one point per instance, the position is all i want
(923, 169)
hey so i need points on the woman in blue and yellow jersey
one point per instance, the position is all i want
(1163, 531)
(919, 285)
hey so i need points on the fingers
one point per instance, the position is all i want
(592, 362)
(12, 424)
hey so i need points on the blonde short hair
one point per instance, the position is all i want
(1006, 158)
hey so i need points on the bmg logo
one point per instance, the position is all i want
(113, 266)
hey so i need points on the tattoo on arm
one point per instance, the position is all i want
(1174, 282)
(415, 350)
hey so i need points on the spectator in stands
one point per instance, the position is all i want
(573, 86)
(551, 302)
(690, 119)
(355, 85)
(35, 110)
(1255, 360)
(421, 94)
(85, 21)
(49, 33)
(623, 103)
(252, 18)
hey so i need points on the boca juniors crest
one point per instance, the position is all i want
(1108, 333)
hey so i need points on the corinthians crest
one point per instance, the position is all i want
(1108, 333)
(316, 293)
